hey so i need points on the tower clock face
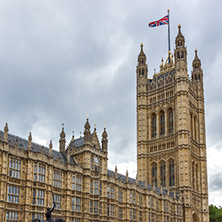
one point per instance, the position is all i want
(96, 159)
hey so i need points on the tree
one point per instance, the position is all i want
(215, 213)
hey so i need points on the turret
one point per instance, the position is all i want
(180, 53)
(197, 74)
(6, 133)
(104, 140)
(30, 141)
(62, 141)
(87, 131)
(142, 68)
(50, 148)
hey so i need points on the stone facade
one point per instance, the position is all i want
(171, 143)
(171, 183)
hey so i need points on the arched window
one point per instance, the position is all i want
(153, 119)
(162, 123)
(195, 128)
(193, 174)
(197, 177)
(163, 174)
(191, 125)
(171, 173)
(154, 174)
(170, 120)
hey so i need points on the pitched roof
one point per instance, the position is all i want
(23, 144)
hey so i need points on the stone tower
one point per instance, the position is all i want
(171, 144)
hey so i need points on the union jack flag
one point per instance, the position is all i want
(162, 21)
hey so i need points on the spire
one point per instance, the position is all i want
(180, 52)
(87, 131)
(104, 141)
(62, 141)
(142, 68)
(116, 172)
(197, 71)
(50, 148)
(30, 141)
(127, 174)
(6, 132)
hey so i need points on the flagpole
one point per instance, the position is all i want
(169, 31)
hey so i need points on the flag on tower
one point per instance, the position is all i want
(162, 21)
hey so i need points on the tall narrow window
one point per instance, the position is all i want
(170, 120)
(191, 126)
(163, 174)
(195, 128)
(57, 179)
(193, 175)
(39, 172)
(153, 118)
(197, 177)
(14, 168)
(171, 173)
(154, 174)
(13, 194)
(162, 123)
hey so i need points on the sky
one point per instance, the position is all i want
(62, 60)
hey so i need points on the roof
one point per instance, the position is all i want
(23, 144)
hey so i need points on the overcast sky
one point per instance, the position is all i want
(61, 60)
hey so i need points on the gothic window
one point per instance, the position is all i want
(195, 128)
(197, 177)
(171, 173)
(154, 174)
(14, 168)
(170, 120)
(191, 125)
(178, 56)
(153, 119)
(11, 216)
(110, 210)
(163, 174)
(38, 197)
(76, 204)
(57, 179)
(181, 54)
(39, 172)
(110, 192)
(57, 199)
(120, 212)
(193, 174)
(120, 195)
(162, 123)
(13, 194)
(37, 215)
(94, 206)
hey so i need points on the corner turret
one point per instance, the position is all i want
(87, 131)
(197, 74)
(62, 141)
(180, 53)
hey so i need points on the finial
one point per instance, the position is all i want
(195, 50)
(62, 125)
(141, 45)
(94, 125)
(168, 10)
(87, 115)
(104, 125)
(30, 136)
(6, 128)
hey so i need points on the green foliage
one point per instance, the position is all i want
(215, 213)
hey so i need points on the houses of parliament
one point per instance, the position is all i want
(171, 182)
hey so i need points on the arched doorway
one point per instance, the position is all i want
(195, 217)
